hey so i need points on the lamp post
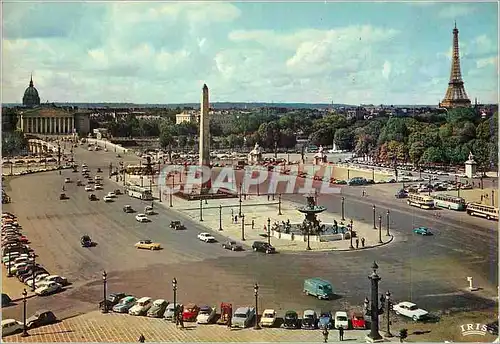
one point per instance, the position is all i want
(104, 284)
(279, 205)
(10, 265)
(239, 212)
(25, 328)
(309, 225)
(388, 309)
(429, 186)
(269, 231)
(373, 309)
(33, 255)
(201, 209)
(343, 199)
(174, 288)
(256, 293)
(351, 247)
(220, 217)
(380, 229)
(242, 227)
(387, 226)
(374, 216)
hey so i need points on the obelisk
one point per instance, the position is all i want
(204, 149)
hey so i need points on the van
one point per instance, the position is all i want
(341, 320)
(318, 287)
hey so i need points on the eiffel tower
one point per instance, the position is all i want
(455, 94)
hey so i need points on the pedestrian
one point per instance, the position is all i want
(232, 213)
(341, 333)
(364, 193)
(181, 321)
(357, 242)
(482, 198)
(236, 219)
(362, 242)
(253, 224)
(229, 321)
(142, 339)
(268, 197)
(325, 334)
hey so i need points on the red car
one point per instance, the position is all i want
(358, 321)
(190, 312)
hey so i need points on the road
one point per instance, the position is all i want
(429, 270)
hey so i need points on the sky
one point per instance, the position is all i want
(309, 52)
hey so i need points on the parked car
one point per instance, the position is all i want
(206, 237)
(422, 231)
(169, 311)
(341, 320)
(243, 316)
(38, 279)
(325, 320)
(291, 320)
(358, 321)
(41, 318)
(410, 310)
(93, 197)
(88, 188)
(309, 320)
(124, 305)
(111, 194)
(157, 309)
(6, 300)
(206, 315)
(67, 180)
(190, 312)
(232, 245)
(148, 245)
(268, 318)
(141, 307)
(48, 288)
(11, 326)
(141, 218)
(58, 279)
(112, 300)
(107, 199)
(98, 187)
(261, 246)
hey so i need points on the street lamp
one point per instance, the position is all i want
(239, 212)
(201, 209)
(387, 234)
(174, 288)
(351, 247)
(388, 308)
(33, 255)
(104, 283)
(256, 293)
(279, 205)
(242, 227)
(25, 328)
(373, 310)
(374, 216)
(269, 231)
(220, 217)
(380, 229)
(309, 225)
(343, 199)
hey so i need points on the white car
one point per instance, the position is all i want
(268, 318)
(67, 180)
(98, 187)
(38, 280)
(88, 188)
(141, 218)
(111, 194)
(341, 320)
(206, 315)
(141, 306)
(107, 199)
(11, 326)
(15, 267)
(48, 288)
(410, 310)
(96, 178)
(206, 237)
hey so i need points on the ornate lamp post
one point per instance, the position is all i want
(256, 293)
(373, 309)
(104, 284)
(380, 229)
(174, 288)
(374, 216)
(309, 225)
(25, 328)
(242, 227)
(239, 211)
(201, 209)
(220, 217)
(343, 199)
(388, 309)
(351, 247)
(33, 287)
(269, 231)
(279, 205)
(387, 219)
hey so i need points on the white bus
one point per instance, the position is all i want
(139, 192)
(449, 202)
(487, 211)
(421, 201)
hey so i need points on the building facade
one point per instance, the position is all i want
(31, 97)
(189, 116)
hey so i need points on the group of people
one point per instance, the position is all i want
(326, 333)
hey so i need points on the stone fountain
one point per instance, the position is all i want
(311, 225)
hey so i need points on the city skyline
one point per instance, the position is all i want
(351, 53)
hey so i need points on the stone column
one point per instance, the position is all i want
(38, 124)
(59, 125)
(72, 124)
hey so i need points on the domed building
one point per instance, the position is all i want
(31, 97)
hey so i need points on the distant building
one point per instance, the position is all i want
(31, 97)
(189, 116)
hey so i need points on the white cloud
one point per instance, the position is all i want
(484, 62)
(386, 70)
(453, 11)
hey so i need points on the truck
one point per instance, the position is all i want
(319, 288)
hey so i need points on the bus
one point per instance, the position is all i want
(136, 170)
(139, 192)
(487, 211)
(449, 202)
(421, 201)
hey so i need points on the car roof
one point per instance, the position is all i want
(191, 305)
(340, 313)
(407, 304)
(8, 321)
(269, 311)
(309, 312)
(159, 301)
(290, 312)
(128, 298)
(205, 308)
(145, 298)
(41, 311)
(242, 309)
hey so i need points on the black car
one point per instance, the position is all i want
(492, 328)
(232, 245)
(261, 246)
(112, 300)
(6, 300)
(291, 320)
(41, 318)
(128, 209)
(92, 197)
(85, 241)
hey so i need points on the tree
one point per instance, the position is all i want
(344, 138)
(13, 142)
(181, 141)
(9, 119)
(288, 139)
(323, 136)
(460, 115)
(432, 155)
(394, 130)
(166, 135)
(481, 154)
(416, 151)
(215, 129)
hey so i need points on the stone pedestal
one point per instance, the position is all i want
(470, 166)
